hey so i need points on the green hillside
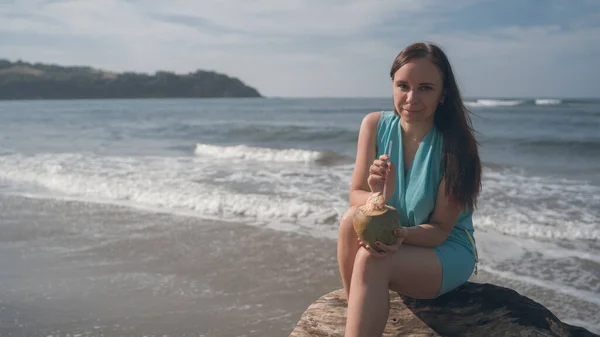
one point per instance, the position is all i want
(21, 80)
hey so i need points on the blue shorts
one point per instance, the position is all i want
(458, 260)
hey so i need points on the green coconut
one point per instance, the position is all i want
(375, 221)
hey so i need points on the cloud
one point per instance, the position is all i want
(524, 62)
(260, 17)
(312, 47)
(292, 17)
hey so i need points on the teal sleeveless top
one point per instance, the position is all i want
(415, 192)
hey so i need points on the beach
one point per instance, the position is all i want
(69, 268)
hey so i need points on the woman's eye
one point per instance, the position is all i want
(426, 88)
(402, 86)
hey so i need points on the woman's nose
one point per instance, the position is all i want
(411, 96)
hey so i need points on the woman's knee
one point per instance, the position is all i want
(346, 225)
(367, 263)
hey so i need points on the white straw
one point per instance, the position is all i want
(389, 153)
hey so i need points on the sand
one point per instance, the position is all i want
(71, 268)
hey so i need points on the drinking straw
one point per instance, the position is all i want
(388, 151)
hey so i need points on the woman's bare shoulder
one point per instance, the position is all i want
(371, 119)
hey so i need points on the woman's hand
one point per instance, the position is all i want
(382, 173)
(384, 250)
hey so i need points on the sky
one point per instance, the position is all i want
(319, 48)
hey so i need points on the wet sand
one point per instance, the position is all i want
(71, 268)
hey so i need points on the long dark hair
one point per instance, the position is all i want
(460, 158)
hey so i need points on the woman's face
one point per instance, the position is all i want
(418, 89)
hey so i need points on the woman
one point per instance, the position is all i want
(432, 177)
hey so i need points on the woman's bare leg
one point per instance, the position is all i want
(412, 271)
(347, 247)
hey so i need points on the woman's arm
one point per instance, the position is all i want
(440, 224)
(365, 154)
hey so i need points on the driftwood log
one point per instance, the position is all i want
(473, 309)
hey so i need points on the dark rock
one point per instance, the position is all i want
(471, 310)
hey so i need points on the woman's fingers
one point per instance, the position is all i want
(380, 164)
(378, 169)
(390, 249)
(378, 172)
(375, 253)
(372, 251)
(374, 179)
(400, 232)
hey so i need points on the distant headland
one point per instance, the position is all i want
(22, 80)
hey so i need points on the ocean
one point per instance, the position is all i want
(282, 165)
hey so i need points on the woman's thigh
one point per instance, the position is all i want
(416, 272)
(421, 272)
